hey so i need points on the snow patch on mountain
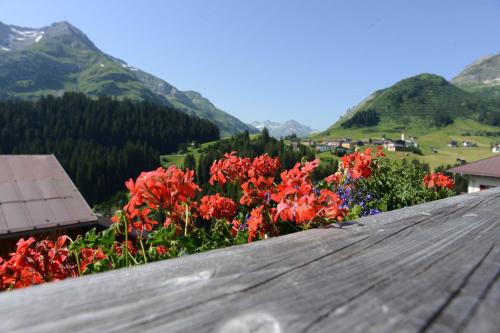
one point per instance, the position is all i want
(125, 65)
(20, 36)
(39, 37)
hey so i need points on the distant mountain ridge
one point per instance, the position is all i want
(482, 76)
(287, 128)
(59, 57)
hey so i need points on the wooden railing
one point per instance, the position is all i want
(432, 267)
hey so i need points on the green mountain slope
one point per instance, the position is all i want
(60, 58)
(482, 76)
(417, 105)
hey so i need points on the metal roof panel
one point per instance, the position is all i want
(36, 193)
(16, 216)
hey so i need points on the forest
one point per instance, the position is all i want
(99, 142)
(368, 117)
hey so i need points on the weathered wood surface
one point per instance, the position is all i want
(427, 268)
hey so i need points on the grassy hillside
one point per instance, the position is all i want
(420, 104)
(428, 141)
(428, 107)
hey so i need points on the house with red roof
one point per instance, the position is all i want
(482, 174)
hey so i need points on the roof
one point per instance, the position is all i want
(36, 193)
(489, 167)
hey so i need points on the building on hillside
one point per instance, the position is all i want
(322, 148)
(482, 174)
(453, 144)
(294, 143)
(347, 143)
(37, 198)
(335, 143)
(469, 144)
(495, 148)
(397, 146)
(378, 142)
(307, 142)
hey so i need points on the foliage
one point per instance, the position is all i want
(442, 119)
(400, 184)
(163, 218)
(98, 142)
(366, 118)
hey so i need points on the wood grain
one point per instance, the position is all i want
(428, 268)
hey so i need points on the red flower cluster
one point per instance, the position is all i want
(29, 265)
(264, 166)
(299, 202)
(438, 180)
(90, 256)
(358, 164)
(237, 169)
(119, 247)
(257, 191)
(215, 206)
(166, 190)
(231, 168)
(296, 197)
(161, 250)
(255, 222)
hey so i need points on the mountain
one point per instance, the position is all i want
(59, 57)
(419, 104)
(289, 127)
(482, 76)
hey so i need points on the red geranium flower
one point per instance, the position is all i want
(438, 180)
(215, 206)
(169, 190)
(255, 222)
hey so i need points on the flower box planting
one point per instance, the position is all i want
(249, 200)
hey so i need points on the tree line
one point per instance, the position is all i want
(368, 117)
(99, 142)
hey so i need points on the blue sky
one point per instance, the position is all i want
(307, 60)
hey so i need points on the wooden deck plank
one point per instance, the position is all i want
(432, 267)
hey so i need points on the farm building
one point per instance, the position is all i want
(37, 198)
(483, 174)
(469, 144)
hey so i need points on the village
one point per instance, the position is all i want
(346, 145)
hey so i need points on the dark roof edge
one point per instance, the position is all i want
(456, 170)
(51, 229)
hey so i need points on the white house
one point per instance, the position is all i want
(495, 149)
(483, 174)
